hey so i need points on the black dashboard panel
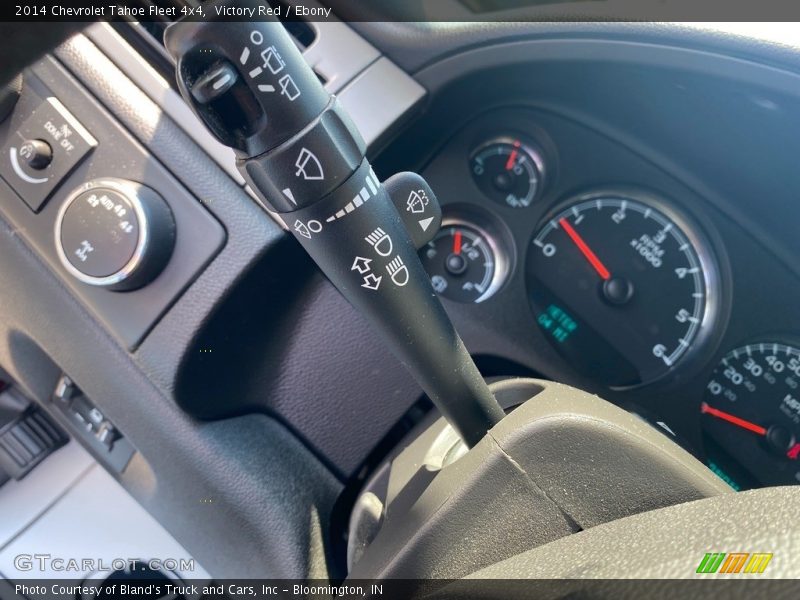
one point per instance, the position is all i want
(711, 136)
(281, 363)
(48, 328)
(579, 161)
(707, 133)
(756, 291)
(198, 236)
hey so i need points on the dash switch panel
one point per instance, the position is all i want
(43, 151)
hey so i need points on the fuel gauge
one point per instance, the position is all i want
(464, 262)
(508, 171)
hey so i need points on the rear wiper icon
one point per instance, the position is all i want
(308, 166)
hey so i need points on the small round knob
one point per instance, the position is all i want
(617, 290)
(114, 233)
(37, 154)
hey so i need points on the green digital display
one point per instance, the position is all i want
(557, 323)
(724, 476)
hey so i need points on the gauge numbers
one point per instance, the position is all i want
(463, 262)
(508, 171)
(621, 286)
(751, 415)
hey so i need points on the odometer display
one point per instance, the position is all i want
(621, 287)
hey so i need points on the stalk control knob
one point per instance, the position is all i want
(304, 157)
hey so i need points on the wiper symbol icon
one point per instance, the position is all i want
(308, 166)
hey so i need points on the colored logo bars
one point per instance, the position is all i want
(734, 562)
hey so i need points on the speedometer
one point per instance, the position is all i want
(622, 287)
(751, 415)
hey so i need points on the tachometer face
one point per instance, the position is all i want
(751, 414)
(622, 287)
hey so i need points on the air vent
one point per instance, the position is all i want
(147, 37)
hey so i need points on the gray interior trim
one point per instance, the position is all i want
(252, 238)
(128, 316)
(93, 517)
(22, 502)
(379, 99)
(338, 54)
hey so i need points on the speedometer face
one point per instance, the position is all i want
(751, 415)
(621, 287)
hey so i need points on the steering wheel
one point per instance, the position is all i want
(673, 543)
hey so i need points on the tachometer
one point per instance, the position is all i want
(751, 415)
(622, 287)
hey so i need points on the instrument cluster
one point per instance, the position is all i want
(604, 271)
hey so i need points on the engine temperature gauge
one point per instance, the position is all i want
(508, 171)
(464, 262)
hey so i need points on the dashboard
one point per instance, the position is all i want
(619, 209)
(603, 270)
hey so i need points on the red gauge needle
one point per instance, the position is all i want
(794, 451)
(457, 243)
(585, 250)
(513, 156)
(720, 414)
